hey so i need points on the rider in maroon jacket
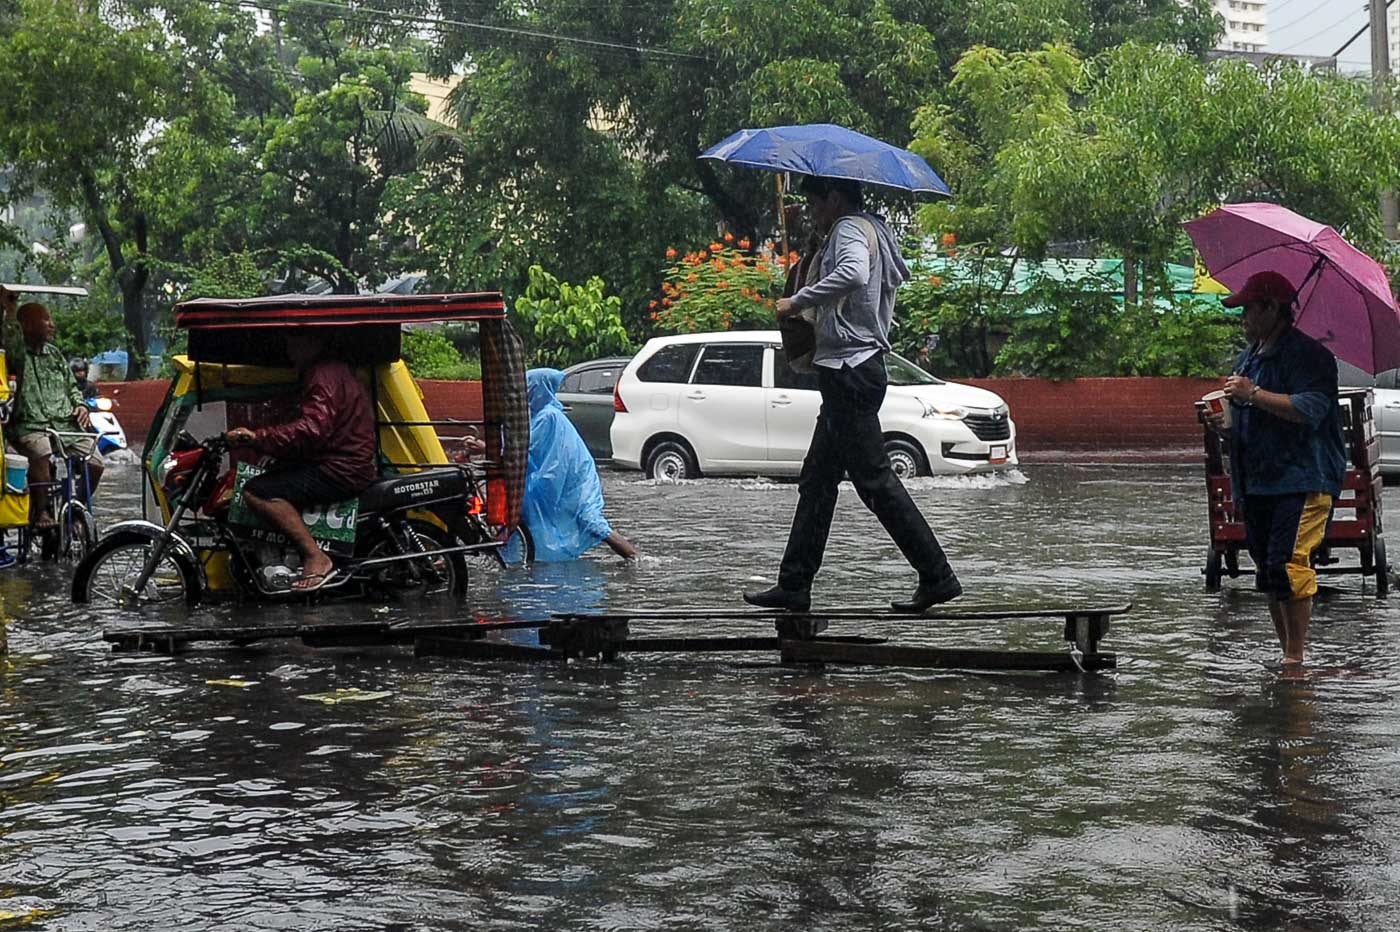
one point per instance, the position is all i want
(324, 455)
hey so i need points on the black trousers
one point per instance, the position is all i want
(848, 441)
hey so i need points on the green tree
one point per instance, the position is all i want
(117, 84)
(568, 323)
(1114, 154)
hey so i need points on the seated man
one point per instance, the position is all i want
(48, 399)
(325, 454)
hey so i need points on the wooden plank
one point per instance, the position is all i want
(895, 655)
(702, 645)
(369, 632)
(849, 613)
(477, 649)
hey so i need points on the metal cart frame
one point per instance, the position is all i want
(1355, 523)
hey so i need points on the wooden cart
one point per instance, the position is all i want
(1356, 516)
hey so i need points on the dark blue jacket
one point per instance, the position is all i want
(1271, 456)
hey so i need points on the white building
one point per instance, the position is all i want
(1393, 32)
(1246, 25)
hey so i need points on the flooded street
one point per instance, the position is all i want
(1190, 790)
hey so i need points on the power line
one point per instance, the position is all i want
(1359, 33)
(1316, 34)
(362, 12)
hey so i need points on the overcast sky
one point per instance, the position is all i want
(1319, 27)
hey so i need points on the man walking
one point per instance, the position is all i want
(860, 268)
(1287, 458)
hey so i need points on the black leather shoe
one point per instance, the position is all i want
(930, 593)
(794, 600)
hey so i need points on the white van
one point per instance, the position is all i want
(727, 403)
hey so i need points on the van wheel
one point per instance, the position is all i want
(906, 459)
(672, 460)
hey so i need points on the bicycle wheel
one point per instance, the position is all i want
(518, 549)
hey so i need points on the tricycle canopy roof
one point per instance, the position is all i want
(361, 329)
(334, 310)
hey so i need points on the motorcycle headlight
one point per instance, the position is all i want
(163, 471)
(104, 404)
(945, 411)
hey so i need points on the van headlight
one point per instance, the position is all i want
(944, 411)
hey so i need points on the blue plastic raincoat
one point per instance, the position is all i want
(563, 505)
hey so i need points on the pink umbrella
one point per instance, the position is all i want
(1344, 297)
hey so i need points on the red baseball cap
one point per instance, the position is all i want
(1263, 286)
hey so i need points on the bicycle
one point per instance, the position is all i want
(74, 531)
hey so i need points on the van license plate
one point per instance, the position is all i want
(997, 456)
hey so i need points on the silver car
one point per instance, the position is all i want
(1386, 408)
(587, 396)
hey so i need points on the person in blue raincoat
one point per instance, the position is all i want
(563, 505)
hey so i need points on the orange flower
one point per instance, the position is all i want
(671, 252)
(715, 247)
(652, 305)
(729, 237)
(744, 243)
(666, 302)
(718, 264)
(693, 277)
(935, 281)
(950, 239)
(721, 286)
(654, 315)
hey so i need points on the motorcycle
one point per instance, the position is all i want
(404, 534)
(110, 436)
(419, 528)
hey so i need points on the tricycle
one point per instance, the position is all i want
(413, 531)
(1356, 514)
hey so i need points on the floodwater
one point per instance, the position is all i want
(1193, 789)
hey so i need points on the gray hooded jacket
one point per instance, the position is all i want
(852, 330)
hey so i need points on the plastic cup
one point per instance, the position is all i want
(1219, 403)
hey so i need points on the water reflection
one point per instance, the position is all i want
(1191, 790)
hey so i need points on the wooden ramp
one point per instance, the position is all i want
(798, 638)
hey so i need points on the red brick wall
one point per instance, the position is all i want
(1101, 415)
(461, 400)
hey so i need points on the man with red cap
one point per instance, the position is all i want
(1286, 452)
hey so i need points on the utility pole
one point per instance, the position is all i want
(1380, 82)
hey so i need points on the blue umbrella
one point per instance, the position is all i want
(831, 151)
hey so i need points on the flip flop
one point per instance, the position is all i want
(314, 582)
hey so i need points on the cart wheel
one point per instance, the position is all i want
(1382, 568)
(1232, 563)
(1212, 570)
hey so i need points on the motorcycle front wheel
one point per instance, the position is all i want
(108, 575)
